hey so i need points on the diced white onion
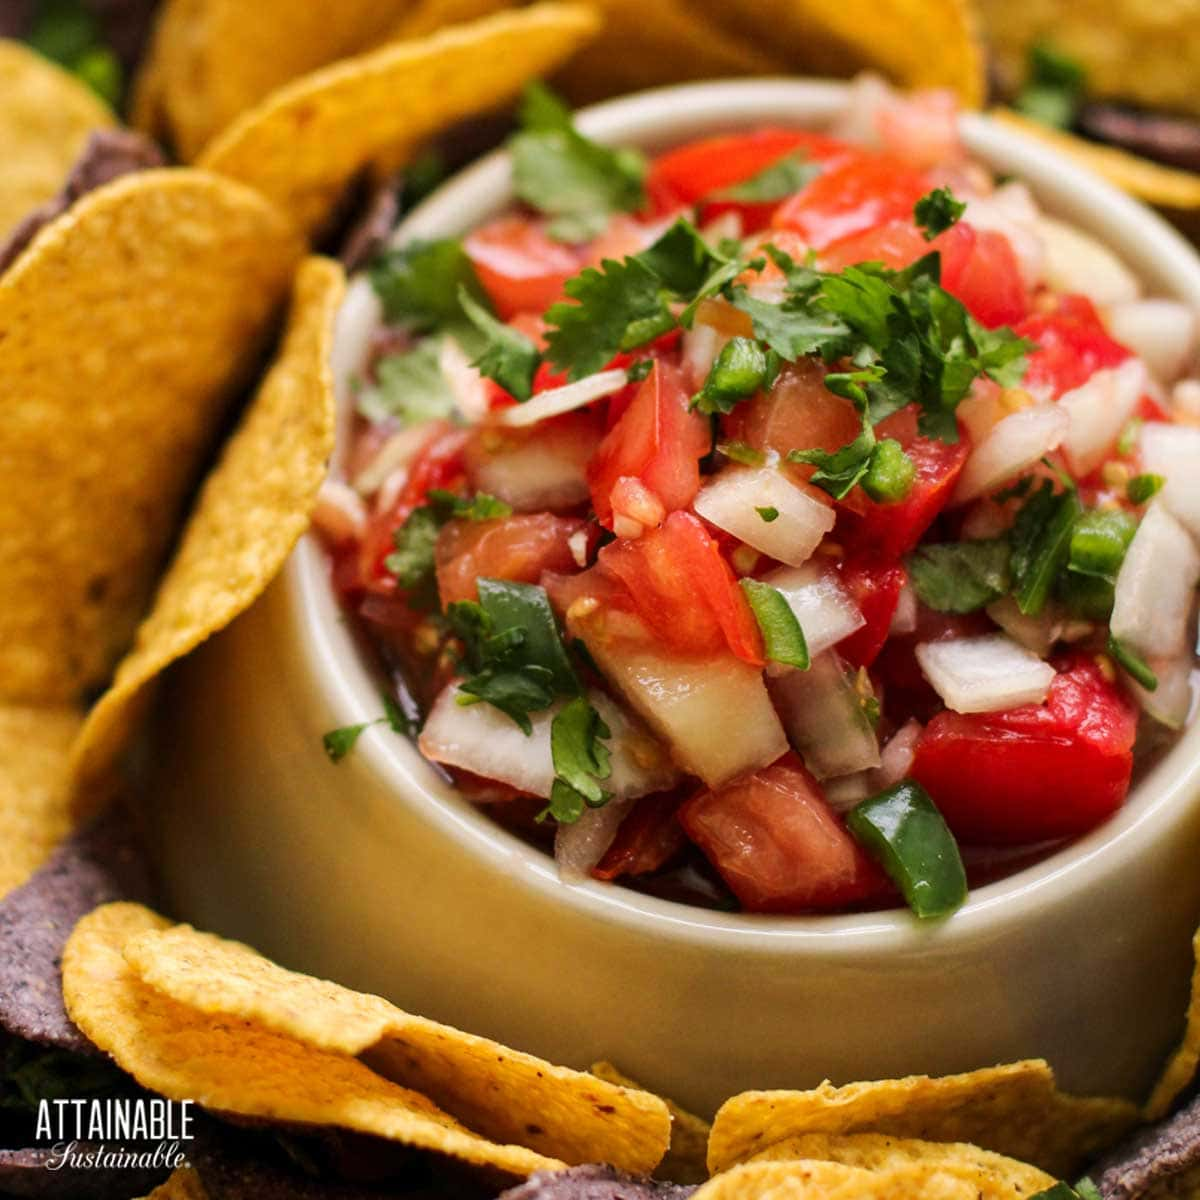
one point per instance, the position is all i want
(565, 399)
(339, 514)
(481, 739)
(359, 316)
(1011, 210)
(395, 454)
(822, 606)
(1077, 262)
(1185, 396)
(580, 845)
(1170, 703)
(1034, 633)
(984, 674)
(858, 121)
(1013, 446)
(896, 758)
(904, 619)
(700, 346)
(1173, 451)
(730, 501)
(1155, 587)
(823, 714)
(843, 792)
(1161, 332)
(1099, 409)
(536, 475)
(471, 394)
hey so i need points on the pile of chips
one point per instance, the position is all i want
(165, 339)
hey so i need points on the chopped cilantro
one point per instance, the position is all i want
(960, 577)
(1142, 487)
(683, 261)
(775, 182)
(1054, 87)
(937, 212)
(508, 356)
(581, 760)
(339, 742)
(67, 32)
(1137, 666)
(839, 470)
(1084, 1189)
(741, 369)
(782, 636)
(419, 284)
(1041, 540)
(570, 178)
(741, 452)
(637, 371)
(410, 385)
(768, 513)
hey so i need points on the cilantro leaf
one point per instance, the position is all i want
(581, 760)
(960, 577)
(937, 212)
(1054, 87)
(792, 332)
(410, 385)
(508, 356)
(838, 471)
(1133, 662)
(339, 742)
(768, 512)
(1041, 540)
(419, 284)
(526, 607)
(567, 176)
(68, 33)
(682, 259)
(774, 182)
(515, 691)
(783, 639)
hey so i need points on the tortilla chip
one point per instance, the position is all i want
(594, 1181)
(995, 1177)
(239, 1068)
(686, 1160)
(504, 1094)
(251, 511)
(423, 17)
(1181, 1066)
(305, 142)
(210, 60)
(1167, 187)
(45, 119)
(34, 809)
(1015, 1110)
(643, 45)
(833, 1181)
(182, 1184)
(1158, 1162)
(126, 327)
(914, 42)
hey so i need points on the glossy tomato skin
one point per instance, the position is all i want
(684, 177)
(1072, 344)
(521, 268)
(874, 585)
(519, 548)
(778, 845)
(684, 590)
(851, 197)
(650, 837)
(890, 531)
(1033, 773)
(657, 441)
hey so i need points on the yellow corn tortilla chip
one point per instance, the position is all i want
(1015, 1110)
(504, 1094)
(1130, 49)
(210, 60)
(686, 1160)
(240, 1069)
(809, 1180)
(1168, 187)
(182, 1184)
(126, 327)
(1181, 1066)
(995, 1176)
(252, 510)
(642, 45)
(914, 42)
(46, 116)
(306, 141)
(34, 809)
(423, 17)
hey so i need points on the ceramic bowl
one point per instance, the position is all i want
(376, 873)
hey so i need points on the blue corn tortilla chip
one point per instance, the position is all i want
(595, 1181)
(1160, 1161)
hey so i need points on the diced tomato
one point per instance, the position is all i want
(1037, 772)
(518, 548)
(520, 267)
(896, 244)
(686, 176)
(778, 844)
(1072, 345)
(684, 589)
(650, 836)
(892, 530)
(657, 440)
(874, 584)
(852, 197)
(438, 464)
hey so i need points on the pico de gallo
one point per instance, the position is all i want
(794, 521)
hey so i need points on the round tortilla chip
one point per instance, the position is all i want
(813, 1180)
(34, 809)
(126, 328)
(914, 42)
(304, 144)
(251, 512)
(240, 1068)
(210, 60)
(46, 116)
(1167, 187)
